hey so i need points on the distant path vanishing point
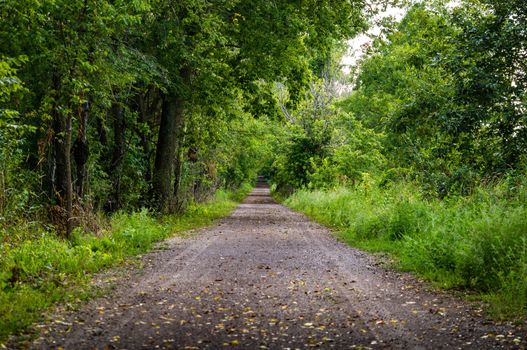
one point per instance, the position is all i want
(268, 278)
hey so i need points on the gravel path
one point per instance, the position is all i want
(267, 277)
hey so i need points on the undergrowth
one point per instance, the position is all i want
(476, 243)
(38, 269)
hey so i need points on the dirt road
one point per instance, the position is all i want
(268, 278)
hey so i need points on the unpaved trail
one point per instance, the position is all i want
(267, 277)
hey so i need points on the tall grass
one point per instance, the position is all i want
(477, 243)
(37, 269)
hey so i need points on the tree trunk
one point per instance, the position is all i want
(148, 107)
(101, 131)
(119, 128)
(162, 182)
(3, 197)
(67, 180)
(178, 170)
(81, 150)
(62, 184)
(59, 168)
(170, 130)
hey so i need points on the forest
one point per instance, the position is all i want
(124, 122)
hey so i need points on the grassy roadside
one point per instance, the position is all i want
(42, 270)
(476, 243)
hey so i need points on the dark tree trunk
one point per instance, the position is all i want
(3, 200)
(115, 201)
(162, 184)
(170, 130)
(142, 106)
(178, 169)
(101, 132)
(60, 166)
(148, 106)
(62, 184)
(67, 180)
(81, 150)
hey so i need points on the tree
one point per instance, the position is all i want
(68, 45)
(489, 69)
(211, 46)
(405, 91)
(10, 128)
(128, 99)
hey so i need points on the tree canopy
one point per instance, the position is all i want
(150, 103)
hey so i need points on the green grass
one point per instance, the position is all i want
(476, 243)
(38, 269)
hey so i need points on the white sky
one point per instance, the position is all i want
(359, 44)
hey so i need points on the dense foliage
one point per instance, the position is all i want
(439, 98)
(110, 105)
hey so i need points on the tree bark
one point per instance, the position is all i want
(148, 105)
(3, 199)
(68, 181)
(162, 182)
(60, 169)
(81, 150)
(119, 128)
(62, 184)
(178, 169)
(170, 130)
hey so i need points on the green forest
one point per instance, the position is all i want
(124, 122)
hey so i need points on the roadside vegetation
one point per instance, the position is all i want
(427, 157)
(39, 270)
